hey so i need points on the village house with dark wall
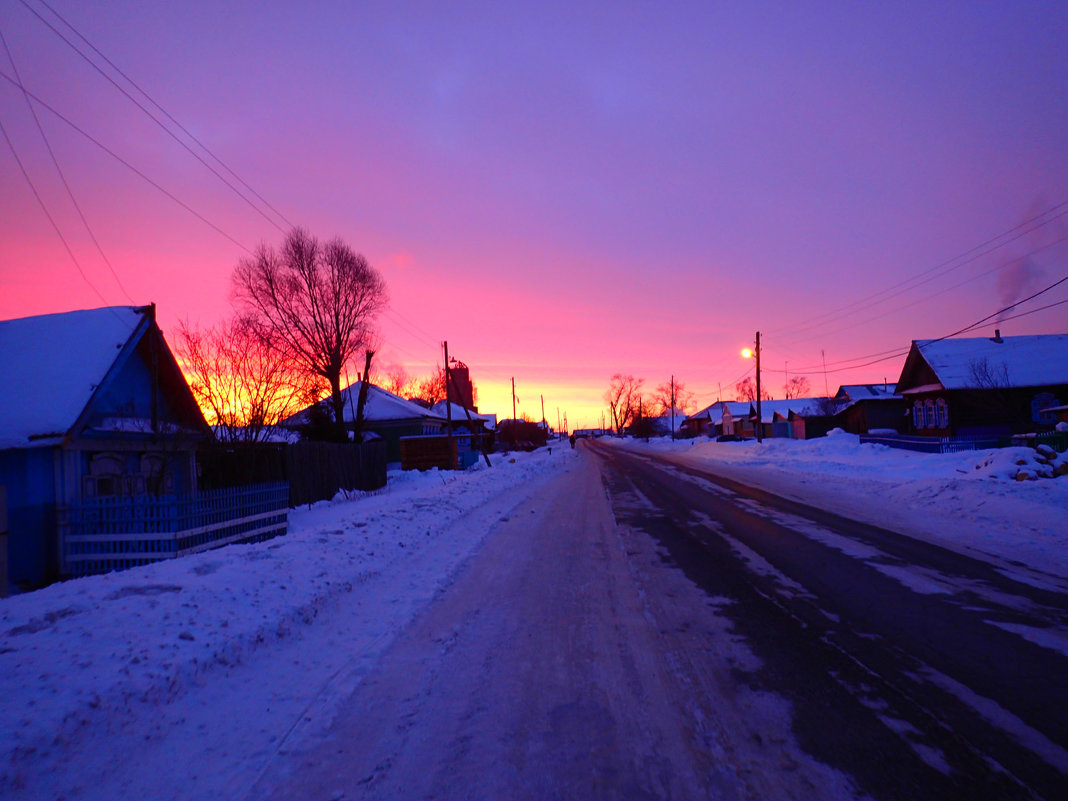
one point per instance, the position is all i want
(984, 387)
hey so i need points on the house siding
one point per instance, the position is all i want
(30, 478)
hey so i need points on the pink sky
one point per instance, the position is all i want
(564, 194)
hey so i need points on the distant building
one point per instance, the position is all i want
(460, 389)
(385, 414)
(861, 408)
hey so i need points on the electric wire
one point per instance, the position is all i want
(62, 175)
(964, 258)
(125, 163)
(155, 119)
(55, 226)
(164, 111)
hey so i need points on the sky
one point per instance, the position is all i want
(562, 191)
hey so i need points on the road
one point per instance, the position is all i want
(641, 629)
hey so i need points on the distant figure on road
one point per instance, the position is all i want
(571, 439)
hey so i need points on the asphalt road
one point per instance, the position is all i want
(919, 672)
(641, 630)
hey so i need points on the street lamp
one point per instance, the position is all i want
(748, 353)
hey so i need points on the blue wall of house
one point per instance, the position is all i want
(129, 394)
(29, 476)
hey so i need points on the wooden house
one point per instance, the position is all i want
(860, 408)
(984, 387)
(94, 407)
(387, 415)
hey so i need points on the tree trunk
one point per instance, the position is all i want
(358, 427)
(339, 407)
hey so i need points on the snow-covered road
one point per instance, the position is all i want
(567, 661)
(197, 678)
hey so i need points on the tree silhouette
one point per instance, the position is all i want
(315, 302)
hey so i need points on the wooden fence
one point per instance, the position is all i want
(318, 470)
(114, 533)
(314, 470)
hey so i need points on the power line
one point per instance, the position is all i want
(164, 111)
(62, 176)
(153, 117)
(48, 214)
(123, 161)
(944, 268)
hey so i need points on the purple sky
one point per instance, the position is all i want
(564, 193)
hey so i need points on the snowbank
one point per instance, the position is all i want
(94, 652)
(970, 501)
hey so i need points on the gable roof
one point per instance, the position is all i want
(1012, 362)
(459, 414)
(852, 393)
(714, 412)
(381, 406)
(52, 365)
(801, 407)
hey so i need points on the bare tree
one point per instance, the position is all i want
(316, 302)
(397, 381)
(244, 386)
(746, 391)
(432, 388)
(661, 402)
(796, 387)
(622, 398)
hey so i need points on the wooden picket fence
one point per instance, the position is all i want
(114, 533)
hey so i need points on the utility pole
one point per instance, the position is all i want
(760, 419)
(826, 389)
(786, 378)
(559, 430)
(453, 459)
(514, 418)
(672, 408)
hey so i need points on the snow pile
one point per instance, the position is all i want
(83, 656)
(974, 501)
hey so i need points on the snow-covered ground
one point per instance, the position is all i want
(138, 667)
(968, 501)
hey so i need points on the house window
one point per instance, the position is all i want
(105, 475)
(917, 415)
(941, 414)
(929, 413)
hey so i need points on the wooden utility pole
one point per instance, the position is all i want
(448, 410)
(481, 440)
(672, 408)
(760, 419)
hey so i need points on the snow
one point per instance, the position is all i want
(52, 365)
(969, 501)
(145, 661)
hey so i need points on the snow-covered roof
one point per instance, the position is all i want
(1025, 361)
(783, 407)
(51, 366)
(458, 413)
(714, 413)
(859, 392)
(381, 405)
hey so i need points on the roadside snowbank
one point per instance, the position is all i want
(969, 501)
(87, 655)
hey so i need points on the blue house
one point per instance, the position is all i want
(94, 410)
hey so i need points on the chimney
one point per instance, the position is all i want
(997, 336)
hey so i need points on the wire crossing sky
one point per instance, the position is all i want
(562, 191)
